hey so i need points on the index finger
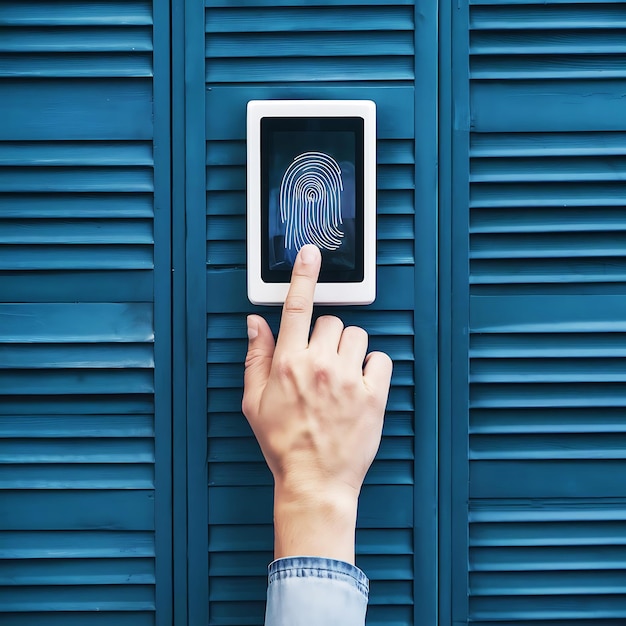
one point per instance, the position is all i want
(295, 322)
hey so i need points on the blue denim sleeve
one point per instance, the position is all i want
(313, 591)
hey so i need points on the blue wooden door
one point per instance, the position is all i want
(85, 534)
(384, 51)
(537, 509)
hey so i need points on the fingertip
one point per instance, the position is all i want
(309, 254)
(258, 329)
(253, 327)
(379, 366)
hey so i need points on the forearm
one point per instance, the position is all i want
(314, 522)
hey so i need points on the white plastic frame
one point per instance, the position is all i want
(261, 292)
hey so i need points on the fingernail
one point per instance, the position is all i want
(253, 329)
(309, 254)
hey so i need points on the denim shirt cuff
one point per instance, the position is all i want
(318, 567)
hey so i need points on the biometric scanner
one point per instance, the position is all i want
(311, 178)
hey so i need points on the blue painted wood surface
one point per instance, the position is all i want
(546, 432)
(333, 50)
(84, 416)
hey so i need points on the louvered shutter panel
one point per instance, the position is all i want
(333, 50)
(78, 455)
(547, 509)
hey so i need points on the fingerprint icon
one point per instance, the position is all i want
(310, 202)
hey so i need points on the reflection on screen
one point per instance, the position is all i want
(312, 198)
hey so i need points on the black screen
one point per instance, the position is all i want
(312, 192)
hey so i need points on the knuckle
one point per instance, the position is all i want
(350, 385)
(296, 304)
(283, 366)
(321, 370)
(253, 356)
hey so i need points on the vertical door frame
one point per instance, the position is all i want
(162, 298)
(454, 131)
(426, 492)
(189, 440)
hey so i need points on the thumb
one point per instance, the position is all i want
(258, 364)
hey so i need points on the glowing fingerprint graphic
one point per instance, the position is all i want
(310, 202)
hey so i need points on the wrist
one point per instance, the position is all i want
(314, 522)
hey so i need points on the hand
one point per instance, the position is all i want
(316, 407)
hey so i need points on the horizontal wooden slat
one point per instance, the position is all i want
(226, 106)
(76, 323)
(69, 286)
(76, 381)
(78, 510)
(75, 65)
(528, 106)
(546, 583)
(554, 395)
(547, 194)
(83, 180)
(92, 232)
(552, 420)
(508, 510)
(577, 41)
(547, 558)
(79, 404)
(114, 109)
(547, 144)
(80, 618)
(74, 205)
(77, 572)
(548, 219)
(548, 478)
(74, 12)
(548, 169)
(28, 356)
(75, 38)
(83, 425)
(111, 543)
(276, 45)
(76, 257)
(320, 68)
(548, 446)
(547, 271)
(93, 450)
(548, 314)
(61, 598)
(536, 15)
(548, 370)
(53, 475)
(548, 534)
(68, 153)
(306, 18)
(534, 345)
